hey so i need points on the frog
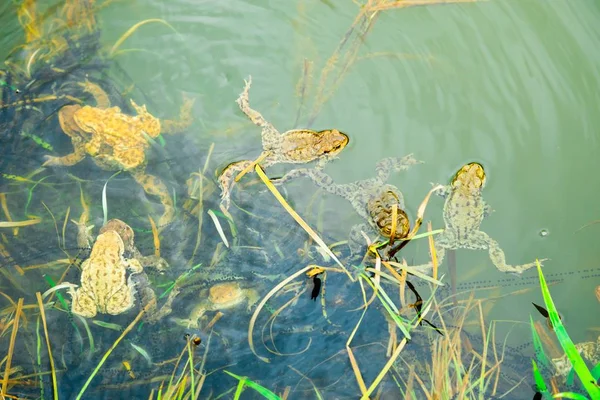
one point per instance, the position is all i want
(220, 296)
(104, 285)
(372, 198)
(118, 141)
(463, 212)
(590, 351)
(297, 146)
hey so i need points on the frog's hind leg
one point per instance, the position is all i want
(497, 254)
(270, 135)
(169, 127)
(320, 178)
(100, 96)
(389, 164)
(82, 304)
(155, 187)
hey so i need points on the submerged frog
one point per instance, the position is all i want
(221, 296)
(118, 141)
(372, 198)
(464, 211)
(590, 351)
(105, 288)
(296, 146)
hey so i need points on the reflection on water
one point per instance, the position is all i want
(87, 87)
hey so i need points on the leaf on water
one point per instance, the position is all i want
(15, 224)
(263, 391)
(218, 226)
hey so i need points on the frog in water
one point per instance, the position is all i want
(104, 286)
(463, 213)
(221, 296)
(371, 198)
(296, 146)
(118, 141)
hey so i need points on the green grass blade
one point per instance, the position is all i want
(565, 341)
(537, 345)
(264, 392)
(539, 381)
(570, 395)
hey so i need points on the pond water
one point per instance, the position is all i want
(510, 84)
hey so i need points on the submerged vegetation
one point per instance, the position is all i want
(379, 327)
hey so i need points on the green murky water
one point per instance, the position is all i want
(510, 84)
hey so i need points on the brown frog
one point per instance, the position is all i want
(221, 296)
(371, 198)
(118, 141)
(296, 146)
(464, 211)
(105, 287)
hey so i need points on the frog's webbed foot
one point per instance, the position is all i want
(154, 186)
(385, 166)
(497, 254)
(184, 121)
(269, 133)
(100, 96)
(227, 180)
(76, 156)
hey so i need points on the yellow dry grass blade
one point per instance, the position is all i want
(52, 369)
(299, 219)
(250, 166)
(155, 237)
(6, 212)
(33, 221)
(11, 345)
(131, 30)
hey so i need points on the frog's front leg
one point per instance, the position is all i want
(497, 254)
(487, 209)
(152, 261)
(319, 178)
(154, 186)
(84, 234)
(269, 133)
(70, 159)
(389, 164)
(356, 240)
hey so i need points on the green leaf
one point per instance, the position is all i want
(537, 345)
(244, 381)
(565, 341)
(539, 381)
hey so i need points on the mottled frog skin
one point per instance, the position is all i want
(464, 211)
(118, 141)
(104, 285)
(371, 198)
(296, 146)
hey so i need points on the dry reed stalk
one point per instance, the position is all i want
(52, 369)
(11, 345)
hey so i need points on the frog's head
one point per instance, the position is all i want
(333, 141)
(471, 176)
(124, 231)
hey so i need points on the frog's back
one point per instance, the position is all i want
(463, 211)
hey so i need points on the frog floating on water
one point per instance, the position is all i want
(464, 211)
(296, 146)
(371, 198)
(104, 286)
(117, 141)
(221, 296)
